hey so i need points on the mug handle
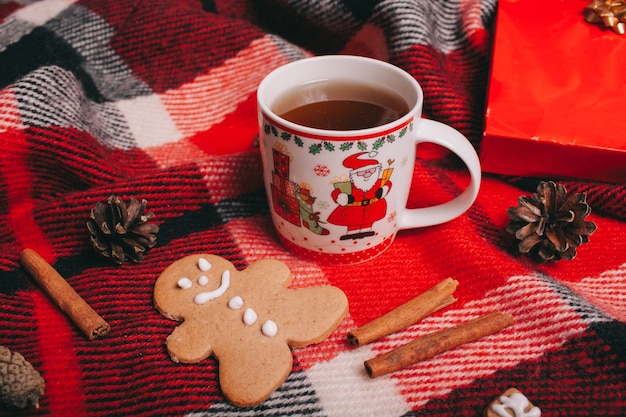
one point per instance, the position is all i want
(448, 137)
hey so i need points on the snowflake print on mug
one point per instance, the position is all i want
(321, 170)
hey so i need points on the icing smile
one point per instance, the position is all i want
(204, 297)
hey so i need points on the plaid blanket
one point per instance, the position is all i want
(156, 100)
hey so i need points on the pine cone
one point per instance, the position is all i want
(122, 233)
(550, 225)
(20, 384)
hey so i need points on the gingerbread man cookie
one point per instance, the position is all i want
(512, 403)
(247, 320)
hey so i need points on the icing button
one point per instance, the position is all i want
(249, 316)
(269, 328)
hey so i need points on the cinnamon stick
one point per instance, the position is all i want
(64, 296)
(435, 343)
(414, 310)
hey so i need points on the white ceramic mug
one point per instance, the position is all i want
(320, 205)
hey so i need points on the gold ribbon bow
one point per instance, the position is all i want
(612, 13)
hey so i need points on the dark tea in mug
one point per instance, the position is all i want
(340, 105)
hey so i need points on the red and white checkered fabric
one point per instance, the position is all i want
(156, 100)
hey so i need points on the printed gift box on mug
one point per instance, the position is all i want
(556, 94)
(284, 196)
(281, 163)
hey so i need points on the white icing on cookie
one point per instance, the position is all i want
(235, 303)
(204, 297)
(249, 316)
(204, 265)
(203, 280)
(184, 283)
(517, 403)
(269, 328)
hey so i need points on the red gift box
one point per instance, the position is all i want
(556, 94)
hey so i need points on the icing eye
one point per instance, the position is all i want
(204, 265)
(235, 303)
(203, 280)
(184, 283)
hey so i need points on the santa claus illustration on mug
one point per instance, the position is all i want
(361, 200)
